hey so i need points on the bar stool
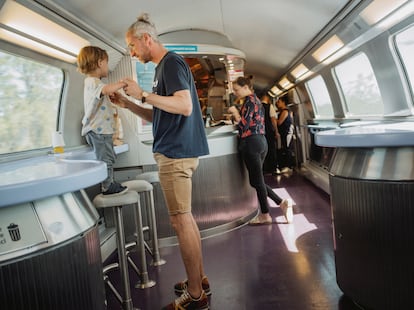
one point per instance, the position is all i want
(149, 178)
(139, 187)
(116, 202)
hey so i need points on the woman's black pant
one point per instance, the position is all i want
(253, 150)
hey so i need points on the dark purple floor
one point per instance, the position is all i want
(278, 266)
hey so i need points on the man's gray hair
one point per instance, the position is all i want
(143, 25)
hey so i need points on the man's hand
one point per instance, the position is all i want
(132, 88)
(119, 100)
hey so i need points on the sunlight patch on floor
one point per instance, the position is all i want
(282, 193)
(291, 232)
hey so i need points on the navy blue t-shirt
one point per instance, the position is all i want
(176, 135)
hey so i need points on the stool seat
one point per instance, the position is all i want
(138, 185)
(150, 176)
(109, 201)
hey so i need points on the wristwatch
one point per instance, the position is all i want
(144, 96)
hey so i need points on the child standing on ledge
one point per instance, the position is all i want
(98, 122)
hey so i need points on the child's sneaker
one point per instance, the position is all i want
(181, 287)
(115, 189)
(185, 301)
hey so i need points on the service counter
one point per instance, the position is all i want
(372, 199)
(222, 196)
(49, 242)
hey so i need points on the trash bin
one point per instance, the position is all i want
(372, 199)
(373, 216)
(50, 255)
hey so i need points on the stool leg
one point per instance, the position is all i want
(145, 282)
(157, 261)
(108, 282)
(119, 223)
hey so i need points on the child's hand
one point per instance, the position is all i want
(124, 84)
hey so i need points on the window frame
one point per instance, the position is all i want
(315, 106)
(401, 64)
(345, 103)
(34, 57)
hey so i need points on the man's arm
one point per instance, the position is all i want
(179, 103)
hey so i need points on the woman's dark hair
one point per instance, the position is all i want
(243, 80)
(284, 98)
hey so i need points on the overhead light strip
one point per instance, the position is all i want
(285, 83)
(35, 45)
(379, 9)
(275, 89)
(332, 45)
(37, 40)
(40, 33)
(299, 70)
(82, 25)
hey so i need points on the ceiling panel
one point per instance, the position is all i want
(270, 32)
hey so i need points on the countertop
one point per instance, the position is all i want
(33, 179)
(377, 135)
(45, 176)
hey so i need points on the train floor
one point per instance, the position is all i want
(269, 267)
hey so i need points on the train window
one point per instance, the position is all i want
(320, 98)
(405, 46)
(359, 87)
(29, 101)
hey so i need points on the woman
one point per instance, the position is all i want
(253, 148)
(285, 127)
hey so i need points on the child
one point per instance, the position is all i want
(98, 121)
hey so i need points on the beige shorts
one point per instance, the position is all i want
(175, 179)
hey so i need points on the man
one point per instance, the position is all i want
(179, 139)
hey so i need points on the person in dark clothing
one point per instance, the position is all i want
(272, 135)
(285, 128)
(179, 141)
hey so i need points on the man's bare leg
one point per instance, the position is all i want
(190, 246)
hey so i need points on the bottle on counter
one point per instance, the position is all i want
(57, 142)
(209, 116)
(208, 120)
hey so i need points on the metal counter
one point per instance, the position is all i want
(372, 199)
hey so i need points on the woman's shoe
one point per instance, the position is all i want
(286, 206)
(258, 221)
